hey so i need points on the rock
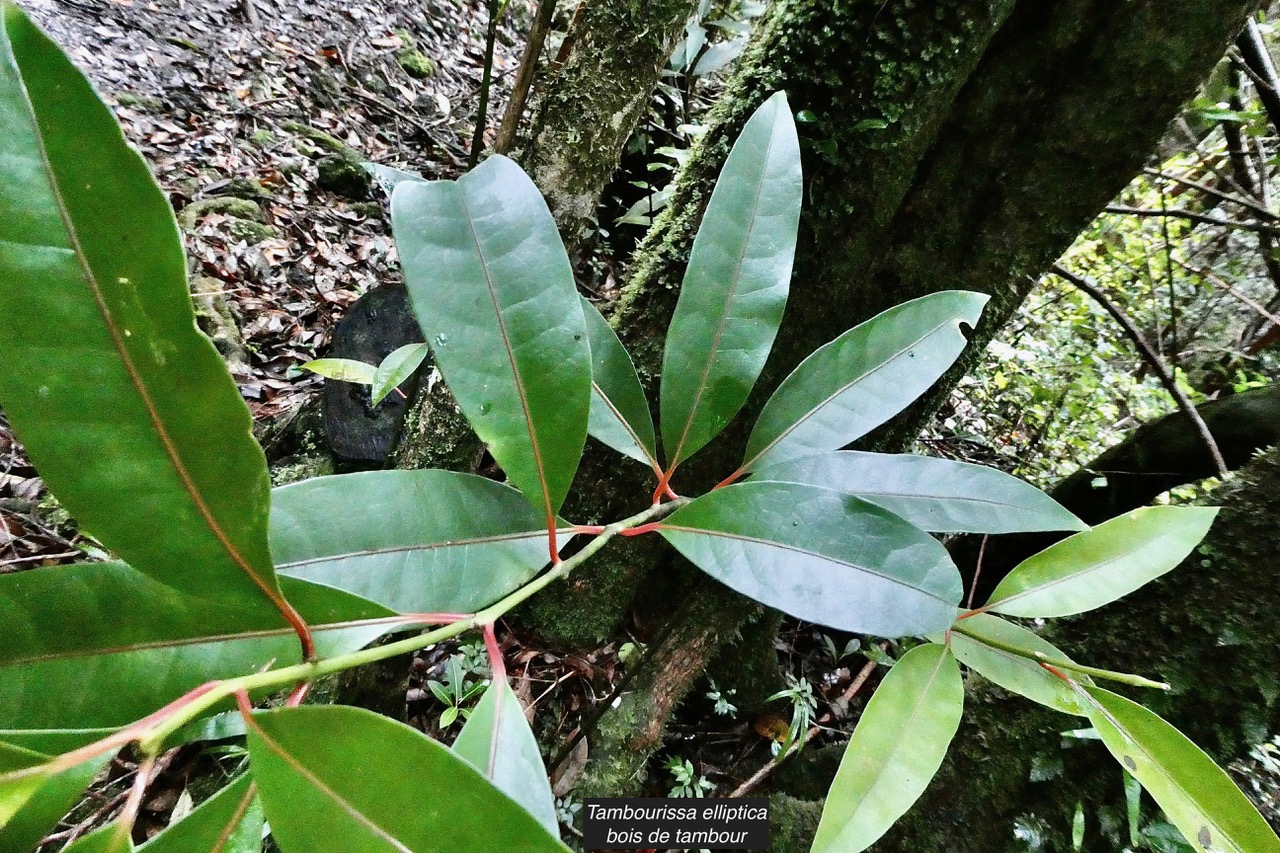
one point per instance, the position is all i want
(345, 175)
(416, 63)
(226, 205)
(378, 322)
(246, 188)
(214, 317)
(250, 231)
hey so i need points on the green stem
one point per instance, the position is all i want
(153, 739)
(1042, 658)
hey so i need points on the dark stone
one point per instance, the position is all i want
(345, 175)
(378, 323)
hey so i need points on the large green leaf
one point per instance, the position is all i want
(103, 644)
(820, 555)
(20, 778)
(864, 377)
(112, 838)
(1096, 567)
(491, 286)
(619, 411)
(981, 643)
(736, 284)
(335, 778)
(41, 811)
(1196, 795)
(498, 742)
(415, 541)
(402, 363)
(898, 745)
(937, 495)
(125, 408)
(228, 822)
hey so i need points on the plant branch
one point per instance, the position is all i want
(1202, 218)
(1050, 663)
(524, 77)
(1148, 354)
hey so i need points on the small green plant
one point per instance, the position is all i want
(804, 705)
(226, 592)
(723, 707)
(687, 781)
(455, 691)
(850, 648)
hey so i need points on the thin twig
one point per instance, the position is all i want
(1202, 218)
(1222, 195)
(524, 77)
(1149, 355)
(1231, 289)
(486, 83)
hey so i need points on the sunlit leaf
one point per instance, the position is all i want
(736, 284)
(1196, 795)
(342, 369)
(864, 377)
(820, 555)
(1098, 566)
(937, 495)
(335, 778)
(415, 541)
(396, 368)
(124, 407)
(491, 285)
(1011, 671)
(619, 411)
(47, 805)
(498, 742)
(102, 644)
(21, 775)
(112, 838)
(895, 750)
(228, 822)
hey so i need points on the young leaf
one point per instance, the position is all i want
(1096, 567)
(898, 745)
(70, 660)
(44, 808)
(937, 495)
(852, 385)
(491, 286)
(396, 368)
(735, 286)
(422, 541)
(976, 642)
(498, 742)
(619, 411)
(821, 556)
(228, 822)
(1194, 793)
(125, 408)
(342, 369)
(333, 778)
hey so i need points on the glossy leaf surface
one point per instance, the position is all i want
(735, 286)
(864, 377)
(498, 742)
(419, 541)
(112, 838)
(897, 747)
(1011, 671)
(42, 811)
(820, 555)
(20, 778)
(619, 411)
(491, 286)
(228, 822)
(125, 408)
(334, 778)
(396, 368)
(1096, 567)
(70, 661)
(937, 495)
(1196, 795)
(342, 369)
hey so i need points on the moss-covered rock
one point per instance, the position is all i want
(246, 188)
(416, 63)
(345, 175)
(250, 231)
(238, 208)
(213, 315)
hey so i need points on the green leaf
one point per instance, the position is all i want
(821, 556)
(228, 822)
(21, 777)
(491, 286)
(42, 811)
(124, 407)
(896, 749)
(415, 541)
(498, 742)
(619, 411)
(396, 368)
(112, 838)
(1096, 567)
(854, 384)
(103, 645)
(735, 286)
(1196, 795)
(937, 495)
(972, 641)
(343, 370)
(389, 177)
(334, 778)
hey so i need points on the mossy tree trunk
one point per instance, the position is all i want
(959, 144)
